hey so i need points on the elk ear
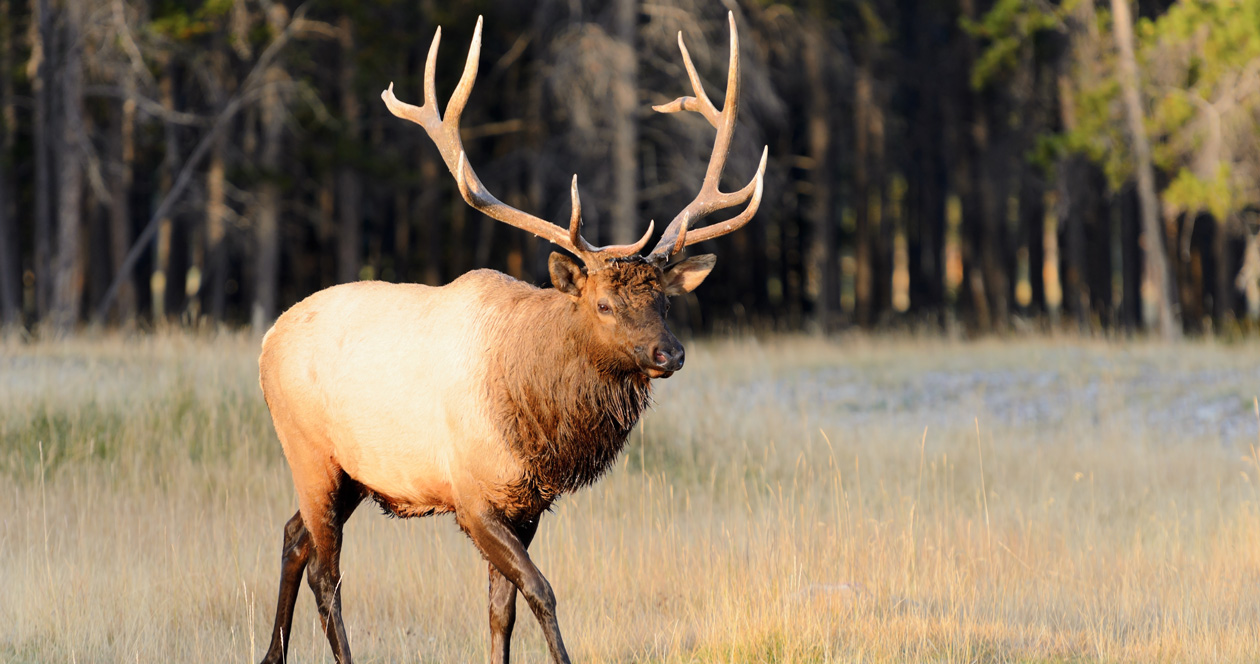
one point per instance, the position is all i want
(684, 276)
(566, 275)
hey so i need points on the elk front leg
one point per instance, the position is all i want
(500, 543)
(503, 601)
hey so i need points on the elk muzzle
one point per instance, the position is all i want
(663, 358)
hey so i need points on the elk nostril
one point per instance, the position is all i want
(659, 357)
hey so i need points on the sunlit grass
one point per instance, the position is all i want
(788, 500)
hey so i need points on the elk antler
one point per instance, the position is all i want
(445, 134)
(710, 199)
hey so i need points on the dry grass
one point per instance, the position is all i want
(1068, 501)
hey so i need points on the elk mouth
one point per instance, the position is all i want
(654, 372)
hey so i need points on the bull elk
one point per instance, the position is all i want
(487, 398)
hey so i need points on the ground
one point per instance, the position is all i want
(786, 500)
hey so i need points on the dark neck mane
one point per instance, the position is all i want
(565, 410)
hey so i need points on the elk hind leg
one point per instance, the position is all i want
(293, 558)
(323, 574)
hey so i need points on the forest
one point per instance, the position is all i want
(964, 166)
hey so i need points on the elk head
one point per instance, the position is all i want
(622, 295)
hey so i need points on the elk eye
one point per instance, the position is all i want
(603, 307)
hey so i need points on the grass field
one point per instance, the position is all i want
(787, 500)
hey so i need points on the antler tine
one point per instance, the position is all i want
(428, 115)
(754, 189)
(623, 250)
(430, 72)
(575, 217)
(459, 98)
(682, 237)
(610, 251)
(699, 103)
(711, 199)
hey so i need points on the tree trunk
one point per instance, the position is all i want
(430, 188)
(1223, 272)
(821, 264)
(1156, 272)
(1130, 261)
(863, 286)
(120, 199)
(1073, 198)
(1098, 244)
(625, 161)
(880, 213)
(10, 263)
(39, 70)
(162, 243)
(349, 193)
(215, 277)
(267, 263)
(992, 180)
(326, 233)
(68, 266)
(402, 234)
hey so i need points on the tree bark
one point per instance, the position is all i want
(39, 69)
(1130, 261)
(10, 263)
(863, 286)
(1223, 271)
(1073, 202)
(402, 234)
(625, 160)
(120, 198)
(267, 260)
(349, 192)
(1156, 268)
(1098, 245)
(215, 278)
(434, 241)
(158, 280)
(68, 266)
(993, 242)
(1032, 212)
(821, 263)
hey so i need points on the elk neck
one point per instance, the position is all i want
(564, 405)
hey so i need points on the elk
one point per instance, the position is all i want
(487, 398)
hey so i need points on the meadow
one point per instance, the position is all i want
(786, 500)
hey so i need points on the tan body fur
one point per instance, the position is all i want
(396, 384)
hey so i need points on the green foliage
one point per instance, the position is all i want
(1200, 57)
(1224, 36)
(1196, 61)
(1100, 131)
(1218, 196)
(1008, 29)
(873, 26)
(175, 22)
